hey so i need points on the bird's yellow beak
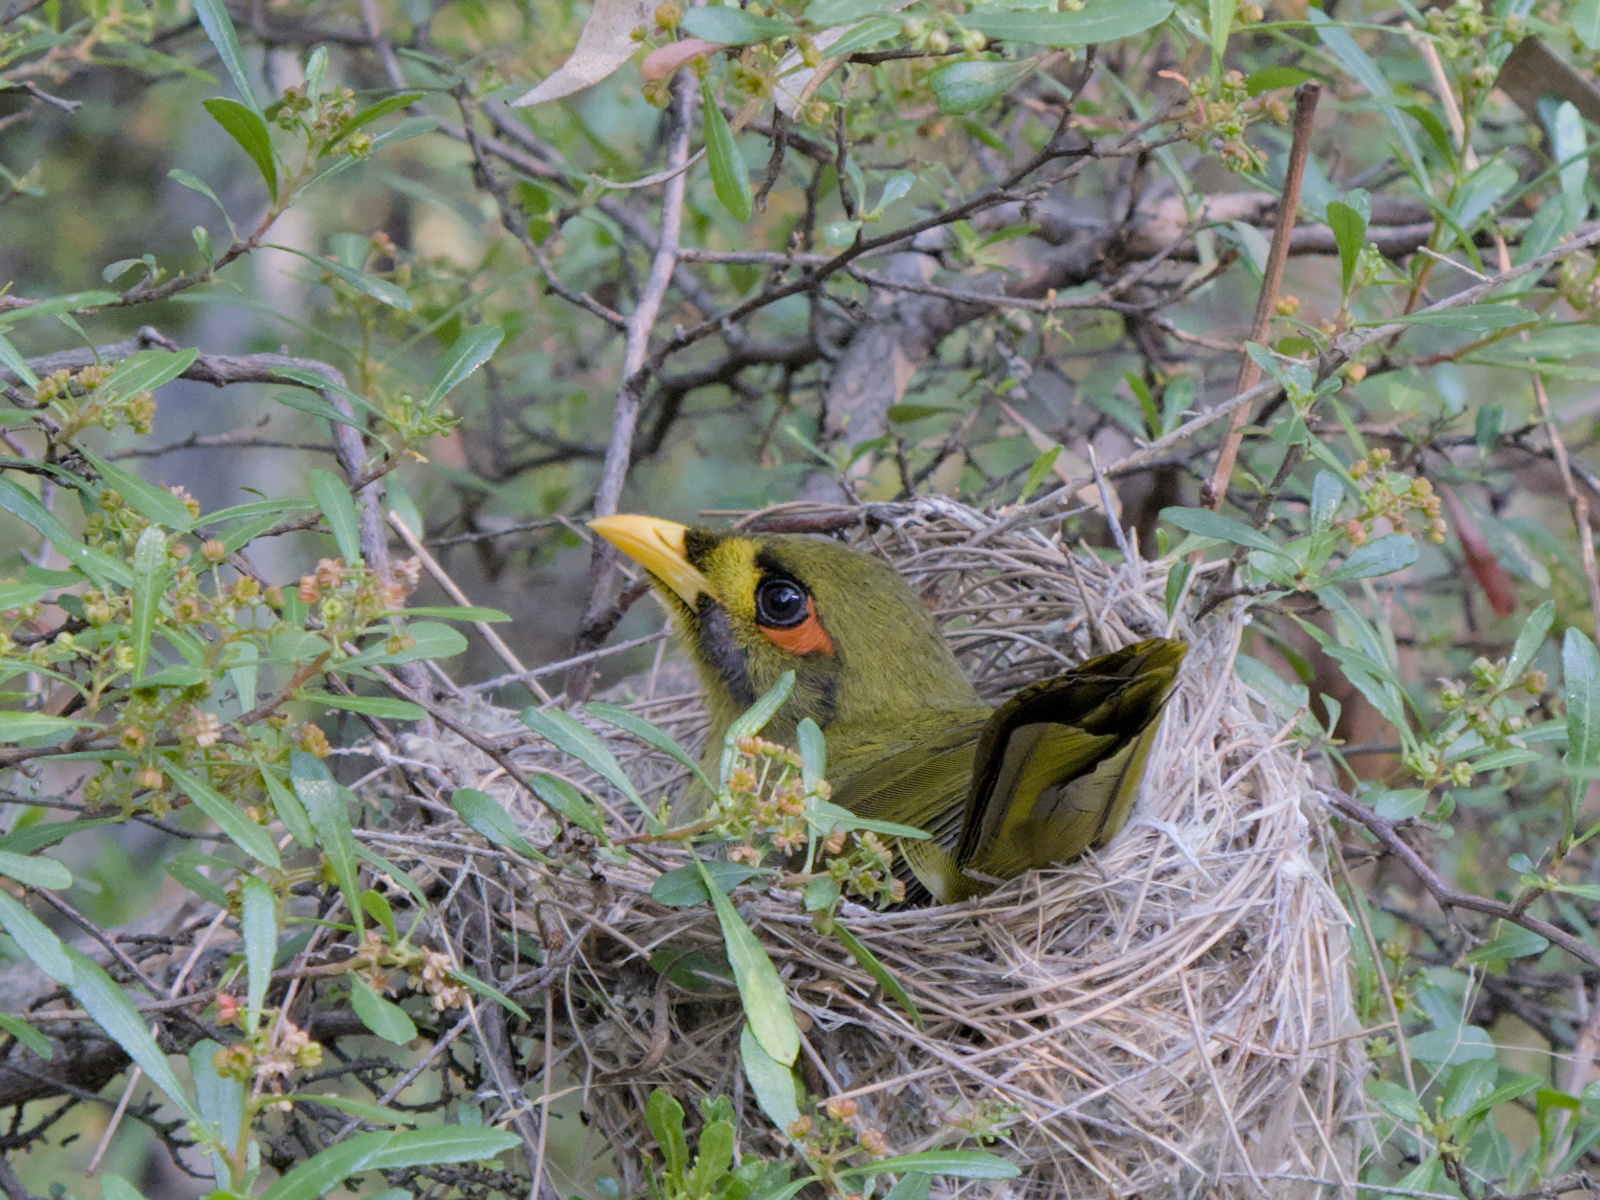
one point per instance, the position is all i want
(658, 547)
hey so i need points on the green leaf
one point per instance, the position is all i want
(258, 926)
(41, 947)
(330, 818)
(149, 585)
(1349, 224)
(384, 1017)
(1471, 318)
(110, 1009)
(684, 887)
(766, 1004)
(385, 708)
(813, 754)
(776, 1088)
(29, 1037)
(1399, 1102)
(379, 289)
(754, 719)
(238, 828)
(1534, 630)
(866, 35)
(213, 15)
(1220, 25)
(451, 612)
(868, 962)
(321, 1175)
(247, 127)
(1100, 22)
(374, 1114)
(289, 809)
(428, 640)
(370, 114)
(1205, 523)
(339, 510)
(1036, 473)
(963, 87)
(1512, 941)
(20, 726)
(566, 734)
(1270, 79)
(664, 1115)
(1585, 18)
(16, 364)
(1343, 46)
(729, 175)
(733, 26)
(1451, 1046)
(153, 503)
(483, 814)
(650, 736)
(960, 1164)
(471, 349)
(1381, 556)
(1397, 804)
(1480, 191)
(565, 800)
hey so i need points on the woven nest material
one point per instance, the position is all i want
(1169, 1017)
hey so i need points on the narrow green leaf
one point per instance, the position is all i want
(384, 1017)
(729, 176)
(1220, 26)
(813, 754)
(370, 114)
(1091, 24)
(881, 975)
(1381, 556)
(147, 370)
(1349, 227)
(441, 1144)
(766, 1003)
(379, 289)
(450, 612)
(238, 828)
(960, 1164)
(27, 1035)
(214, 20)
(428, 640)
(149, 586)
(485, 817)
(963, 87)
(1036, 473)
(20, 726)
(385, 708)
(566, 734)
(733, 26)
(258, 926)
(375, 1114)
(474, 347)
(754, 719)
(561, 797)
(1270, 79)
(16, 364)
(221, 1103)
(110, 1009)
(1585, 18)
(1470, 318)
(41, 947)
(1451, 1046)
(650, 736)
(775, 1086)
(1206, 523)
(1512, 941)
(247, 127)
(195, 184)
(330, 818)
(35, 870)
(1529, 640)
(153, 503)
(339, 510)
(664, 1115)
(1338, 40)
(684, 887)
(289, 809)
(866, 35)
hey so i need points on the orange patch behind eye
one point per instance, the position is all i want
(808, 637)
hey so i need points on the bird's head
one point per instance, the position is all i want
(749, 607)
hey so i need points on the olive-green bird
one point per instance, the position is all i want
(1049, 774)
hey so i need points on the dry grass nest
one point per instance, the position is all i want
(1167, 1018)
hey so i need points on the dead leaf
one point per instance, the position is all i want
(604, 45)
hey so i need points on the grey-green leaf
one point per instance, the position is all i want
(729, 176)
(766, 1003)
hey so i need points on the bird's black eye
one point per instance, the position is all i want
(780, 603)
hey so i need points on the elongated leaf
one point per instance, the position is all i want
(370, 114)
(733, 26)
(379, 289)
(1470, 318)
(34, 870)
(16, 364)
(1381, 556)
(1045, 27)
(214, 20)
(27, 1035)
(1356, 61)
(239, 829)
(1349, 227)
(289, 809)
(1534, 630)
(775, 1086)
(149, 501)
(247, 127)
(473, 348)
(963, 87)
(868, 962)
(730, 178)
(483, 814)
(330, 818)
(959, 1164)
(42, 948)
(258, 925)
(566, 734)
(109, 1009)
(339, 510)
(766, 1003)
(20, 726)
(564, 799)
(149, 585)
(683, 887)
(650, 736)
(441, 1144)
(384, 707)
(1206, 523)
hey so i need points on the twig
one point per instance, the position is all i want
(1305, 108)
(625, 420)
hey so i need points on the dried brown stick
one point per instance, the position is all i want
(1305, 109)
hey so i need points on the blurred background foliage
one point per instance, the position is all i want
(976, 258)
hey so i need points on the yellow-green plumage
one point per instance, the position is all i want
(1046, 776)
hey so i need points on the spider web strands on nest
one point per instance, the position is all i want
(1167, 1018)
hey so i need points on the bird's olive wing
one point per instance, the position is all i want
(1057, 767)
